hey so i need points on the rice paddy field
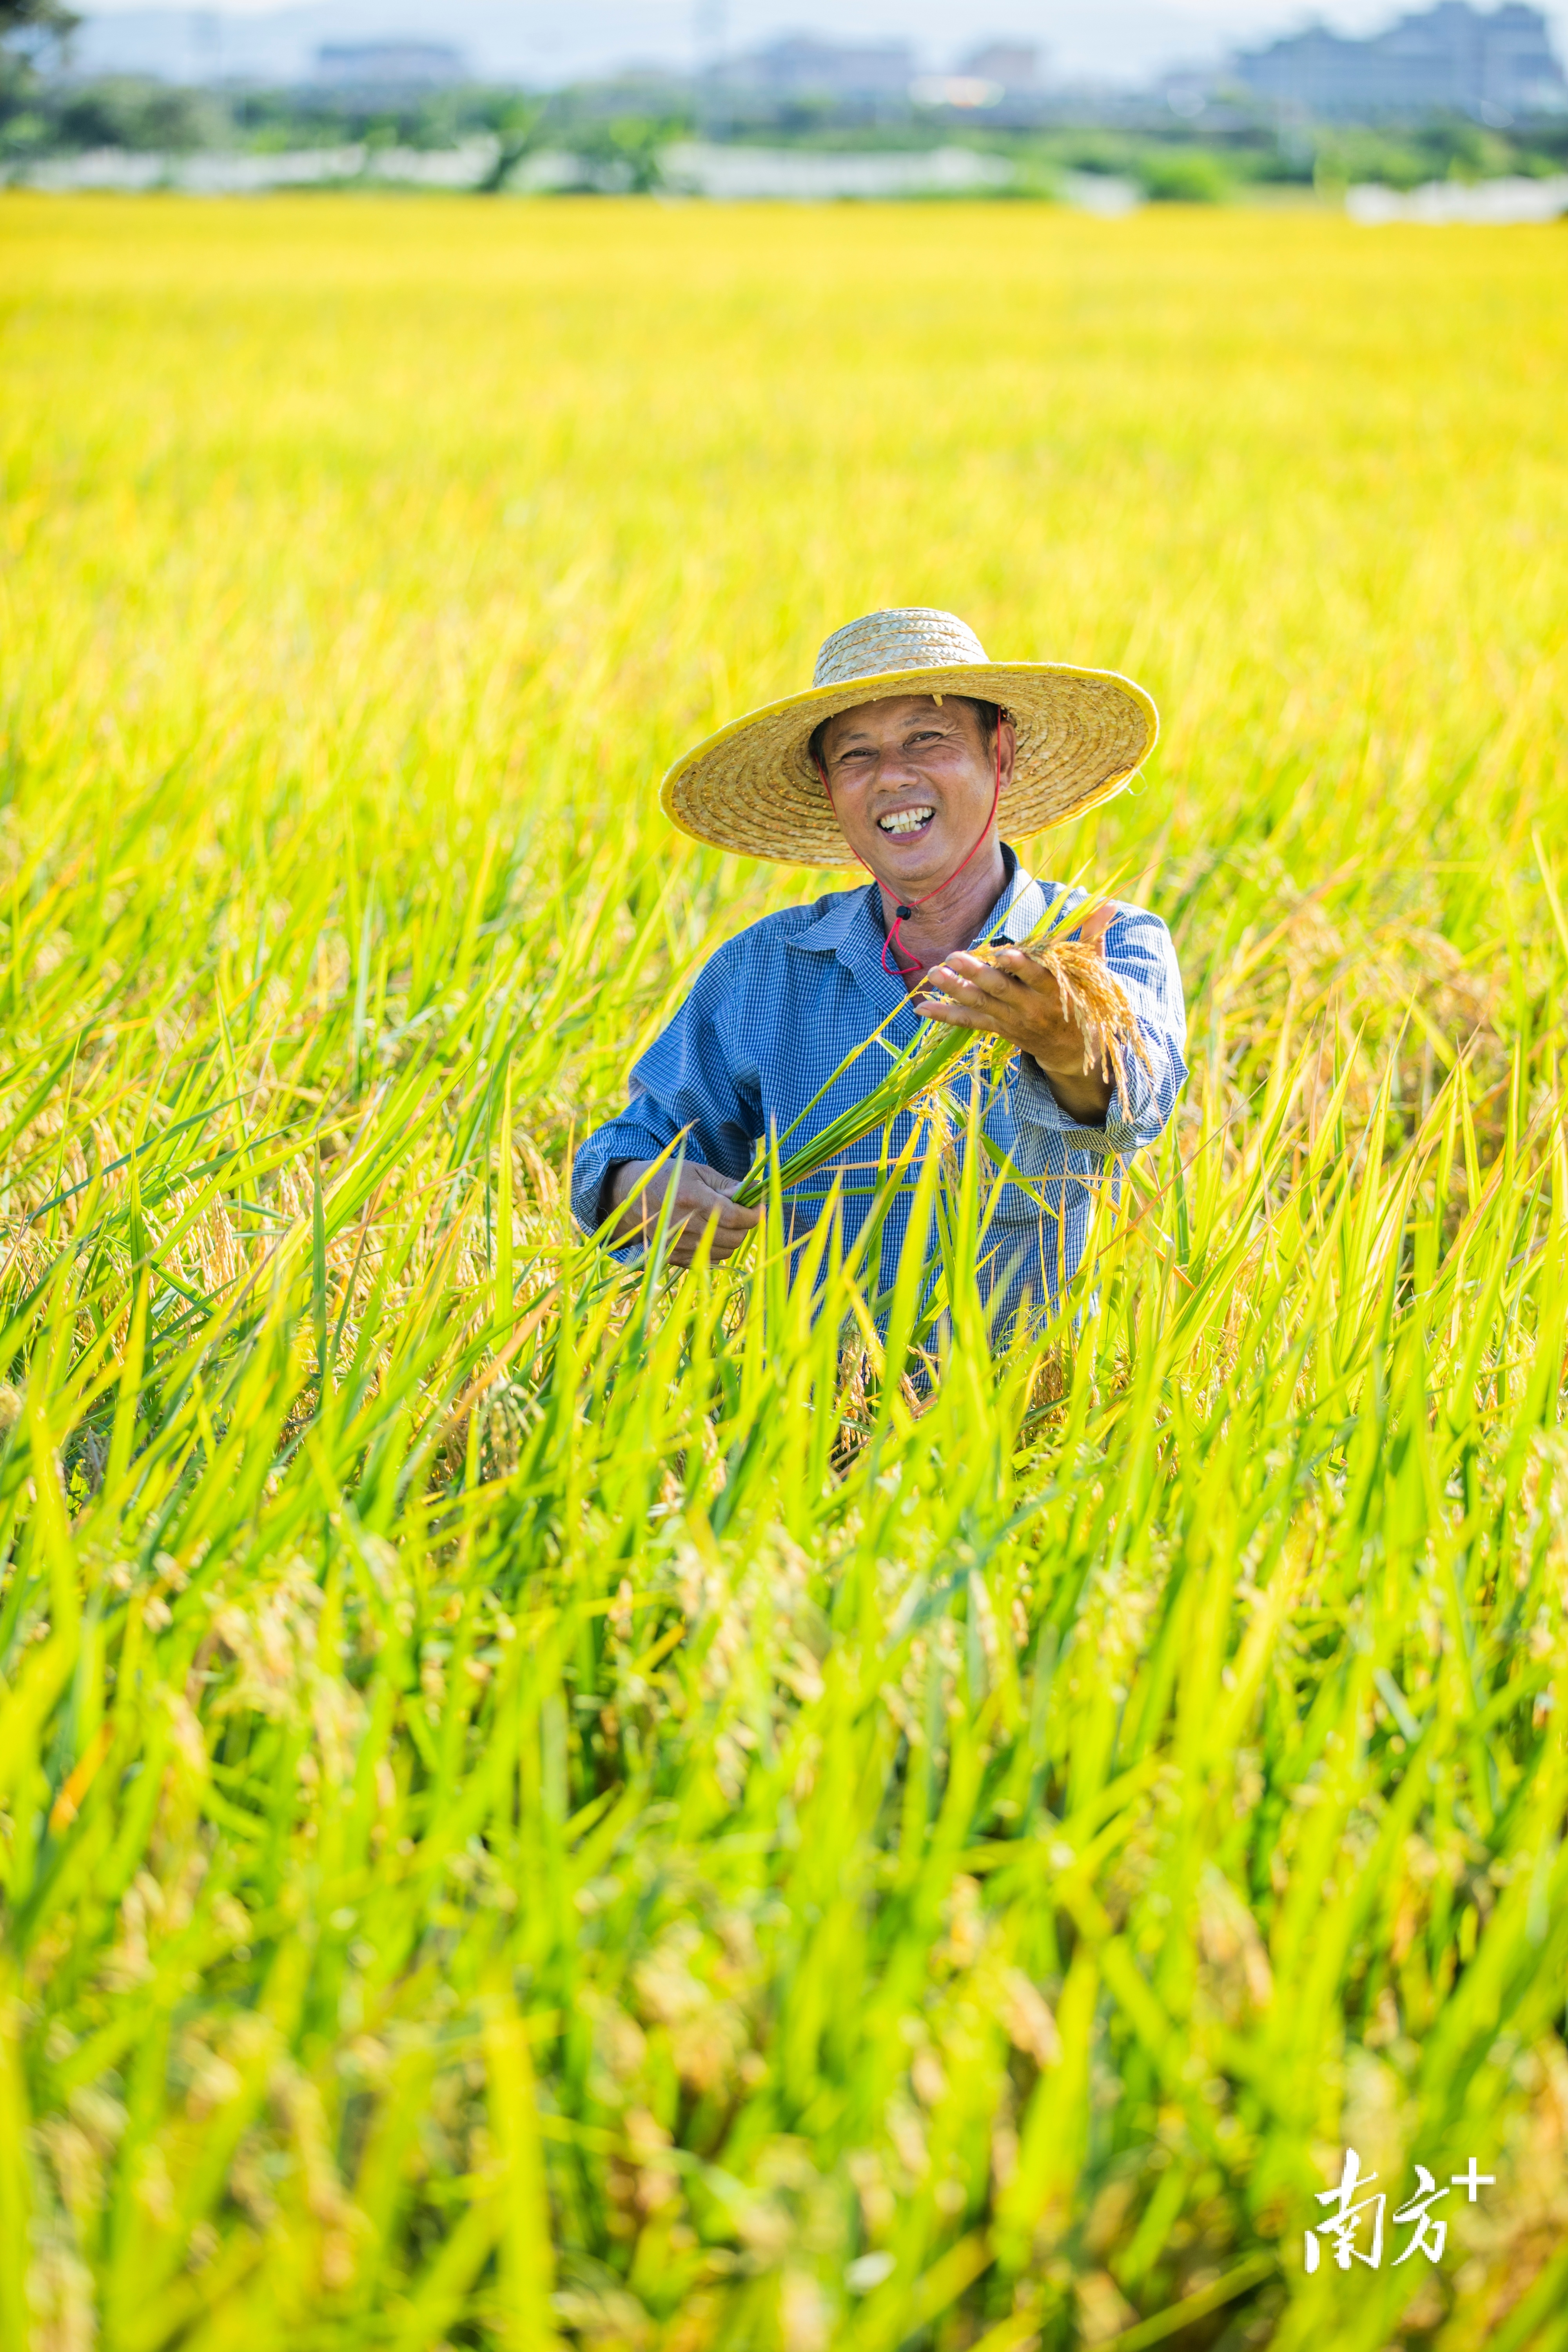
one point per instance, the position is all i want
(543, 1805)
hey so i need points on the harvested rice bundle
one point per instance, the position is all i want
(921, 1077)
(1092, 998)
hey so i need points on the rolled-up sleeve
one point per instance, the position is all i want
(691, 1080)
(1140, 953)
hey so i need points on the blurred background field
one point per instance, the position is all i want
(535, 1805)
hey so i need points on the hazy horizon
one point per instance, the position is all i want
(1123, 40)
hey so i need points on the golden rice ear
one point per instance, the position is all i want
(1093, 999)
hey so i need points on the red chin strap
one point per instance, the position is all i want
(897, 969)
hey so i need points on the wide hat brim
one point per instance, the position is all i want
(1082, 735)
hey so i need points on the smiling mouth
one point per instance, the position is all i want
(910, 820)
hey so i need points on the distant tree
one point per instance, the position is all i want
(625, 155)
(29, 29)
(1194, 177)
(518, 124)
(52, 18)
(146, 116)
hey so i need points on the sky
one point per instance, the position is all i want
(547, 40)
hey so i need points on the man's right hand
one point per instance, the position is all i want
(701, 1204)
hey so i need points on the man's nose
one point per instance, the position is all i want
(894, 766)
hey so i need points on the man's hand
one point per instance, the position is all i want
(1016, 999)
(701, 1204)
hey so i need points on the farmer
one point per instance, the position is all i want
(911, 753)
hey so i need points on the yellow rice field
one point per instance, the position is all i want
(541, 1808)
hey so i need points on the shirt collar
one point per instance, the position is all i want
(851, 925)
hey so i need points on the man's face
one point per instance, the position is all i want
(911, 783)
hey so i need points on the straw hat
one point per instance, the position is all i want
(752, 786)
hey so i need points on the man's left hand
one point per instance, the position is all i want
(1015, 998)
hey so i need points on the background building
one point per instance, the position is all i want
(387, 65)
(1452, 60)
(1015, 64)
(800, 67)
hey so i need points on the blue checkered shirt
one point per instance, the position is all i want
(779, 1007)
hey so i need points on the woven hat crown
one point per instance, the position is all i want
(909, 636)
